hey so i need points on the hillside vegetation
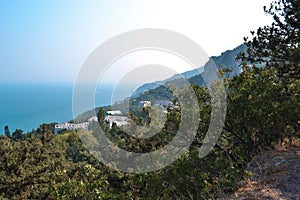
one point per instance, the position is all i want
(263, 109)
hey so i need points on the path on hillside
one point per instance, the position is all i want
(276, 175)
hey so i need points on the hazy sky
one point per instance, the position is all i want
(49, 40)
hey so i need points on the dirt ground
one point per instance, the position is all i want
(275, 174)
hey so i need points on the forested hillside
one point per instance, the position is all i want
(263, 108)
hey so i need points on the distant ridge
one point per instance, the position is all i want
(227, 59)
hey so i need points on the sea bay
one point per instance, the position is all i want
(27, 105)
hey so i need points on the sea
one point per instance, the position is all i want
(27, 105)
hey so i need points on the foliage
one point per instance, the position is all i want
(81, 182)
(6, 131)
(277, 45)
(24, 167)
(261, 110)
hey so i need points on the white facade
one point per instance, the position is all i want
(71, 127)
(119, 120)
(144, 104)
(114, 112)
(164, 103)
(112, 117)
(93, 119)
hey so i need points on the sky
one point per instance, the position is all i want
(48, 41)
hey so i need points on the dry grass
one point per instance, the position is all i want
(275, 174)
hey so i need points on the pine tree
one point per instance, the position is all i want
(6, 131)
(101, 115)
(278, 45)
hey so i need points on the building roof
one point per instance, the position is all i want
(114, 112)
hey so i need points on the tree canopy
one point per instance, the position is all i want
(278, 45)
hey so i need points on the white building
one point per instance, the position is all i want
(119, 120)
(114, 112)
(143, 104)
(93, 119)
(71, 127)
(164, 103)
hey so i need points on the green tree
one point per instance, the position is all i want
(18, 135)
(101, 115)
(46, 131)
(101, 118)
(85, 182)
(6, 131)
(278, 45)
(25, 166)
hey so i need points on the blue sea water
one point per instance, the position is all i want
(27, 105)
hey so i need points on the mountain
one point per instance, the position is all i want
(148, 86)
(150, 91)
(227, 59)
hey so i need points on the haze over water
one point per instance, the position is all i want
(27, 105)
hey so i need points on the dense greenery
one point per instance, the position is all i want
(42, 165)
(263, 108)
(277, 45)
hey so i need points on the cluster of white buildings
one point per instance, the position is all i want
(111, 117)
(118, 120)
(71, 127)
(163, 104)
(114, 116)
